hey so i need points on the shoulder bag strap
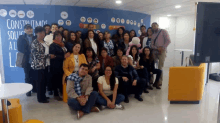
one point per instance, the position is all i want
(157, 37)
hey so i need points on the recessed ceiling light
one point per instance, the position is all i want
(168, 15)
(118, 1)
(178, 6)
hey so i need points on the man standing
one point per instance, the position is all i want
(159, 42)
(81, 96)
(129, 82)
(143, 34)
(49, 38)
(24, 47)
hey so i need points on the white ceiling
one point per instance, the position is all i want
(152, 7)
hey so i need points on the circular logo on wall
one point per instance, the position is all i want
(30, 14)
(12, 13)
(127, 21)
(139, 32)
(68, 22)
(95, 20)
(89, 20)
(118, 20)
(103, 26)
(64, 15)
(60, 22)
(122, 21)
(21, 14)
(3, 12)
(142, 20)
(112, 19)
(135, 23)
(131, 22)
(83, 19)
(97, 31)
(139, 24)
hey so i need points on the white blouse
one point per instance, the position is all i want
(94, 46)
(76, 59)
(46, 53)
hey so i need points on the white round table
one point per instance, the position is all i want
(182, 51)
(9, 90)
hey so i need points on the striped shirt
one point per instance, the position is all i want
(163, 39)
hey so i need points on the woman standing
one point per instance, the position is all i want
(40, 62)
(147, 40)
(132, 34)
(94, 66)
(134, 61)
(147, 61)
(109, 44)
(101, 36)
(108, 86)
(120, 33)
(125, 43)
(91, 42)
(73, 38)
(59, 51)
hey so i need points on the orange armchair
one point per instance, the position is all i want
(186, 84)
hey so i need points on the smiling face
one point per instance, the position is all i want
(58, 38)
(76, 48)
(134, 50)
(41, 35)
(54, 28)
(83, 71)
(104, 53)
(119, 53)
(28, 31)
(108, 71)
(126, 36)
(132, 34)
(124, 60)
(73, 36)
(91, 34)
(89, 53)
(147, 51)
(100, 36)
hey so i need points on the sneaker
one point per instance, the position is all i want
(95, 109)
(146, 91)
(119, 106)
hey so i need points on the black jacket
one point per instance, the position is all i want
(147, 64)
(23, 46)
(132, 72)
(56, 64)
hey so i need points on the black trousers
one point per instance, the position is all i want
(95, 84)
(29, 72)
(143, 73)
(49, 82)
(158, 73)
(40, 77)
(56, 79)
(127, 88)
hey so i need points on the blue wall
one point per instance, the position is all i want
(11, 27)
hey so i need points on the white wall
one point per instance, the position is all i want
(171, 28)
(185, 37)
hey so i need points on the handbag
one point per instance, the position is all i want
(20, 60)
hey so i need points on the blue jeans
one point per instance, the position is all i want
(73, 103)
(101, 101)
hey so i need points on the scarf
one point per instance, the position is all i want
(61, 44)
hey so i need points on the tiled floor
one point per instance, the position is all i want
(154, 109)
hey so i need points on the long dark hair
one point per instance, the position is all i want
(70, 40)
(93, 37)
(112, 78)
(148, 29)
(135, 35)
(66, 38)
(80, 52)
(93, 52)
(119, 36)
(151, 55)
(136, 55)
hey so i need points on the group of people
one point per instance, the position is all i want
(99, 70)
